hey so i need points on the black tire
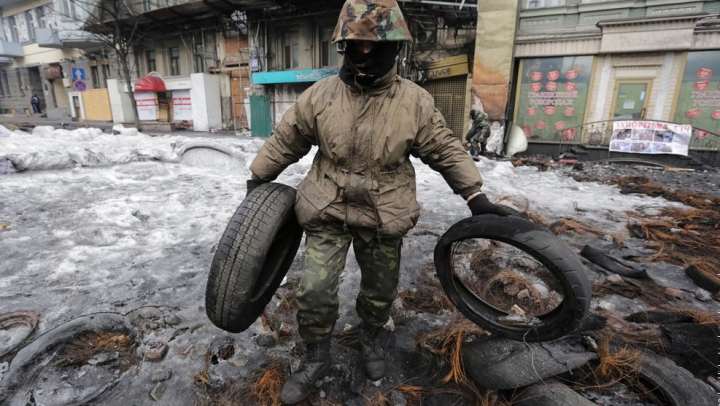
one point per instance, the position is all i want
(545, 247)
(254, 254)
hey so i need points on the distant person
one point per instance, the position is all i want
(35, 103)
(477, 135)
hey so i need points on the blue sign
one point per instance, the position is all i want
(80, 85)
(78, 73)
(292, 76)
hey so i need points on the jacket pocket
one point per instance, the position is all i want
(312, 199)
(397, 205)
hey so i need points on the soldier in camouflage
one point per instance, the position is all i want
(360, 190)
(478, 134)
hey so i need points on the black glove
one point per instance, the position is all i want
(252, 184)
(481, 205)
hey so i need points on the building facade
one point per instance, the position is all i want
(41, 44)
(44, 51)
(291, 49)
(582, 64)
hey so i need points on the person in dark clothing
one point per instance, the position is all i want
(477, 135)
(35, 103)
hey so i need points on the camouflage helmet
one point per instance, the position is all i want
(371, 20)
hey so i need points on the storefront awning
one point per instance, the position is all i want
(292, 76)
(149, 84)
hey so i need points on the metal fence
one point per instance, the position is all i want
(599, 133)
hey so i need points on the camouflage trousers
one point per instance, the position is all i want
(325, 254)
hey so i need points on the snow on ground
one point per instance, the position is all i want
(117, 222)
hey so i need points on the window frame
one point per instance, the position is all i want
(541, 4)
(288, 51)
(18, 73)
(174, 61)
(148, 60)
(330, 48)
(12, 24)
(30, 26)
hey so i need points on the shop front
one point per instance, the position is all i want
(552, 97)
(698, 98)
(280, 90)
(595, 100)
(447, 81)
(183, 101)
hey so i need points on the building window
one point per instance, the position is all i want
(151, 61)
(30, 26)
(291, 50)
(174, 61)
(13, 29)
(106, 72)
(4, 85)
(199, 59)
(328, 54)
(543, 3)
(68, 9)
(95, 76)
(145, 5)
(20, 82)
(40, 17)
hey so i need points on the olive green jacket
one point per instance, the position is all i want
(362, 175)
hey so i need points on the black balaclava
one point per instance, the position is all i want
(366, 68)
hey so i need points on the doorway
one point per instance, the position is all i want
(630, 99)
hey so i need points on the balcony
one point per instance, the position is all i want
(11, 49)
(52, 38)
(48, 38)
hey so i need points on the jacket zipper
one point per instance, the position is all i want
(362, 102)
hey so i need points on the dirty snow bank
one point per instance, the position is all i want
(49, 148)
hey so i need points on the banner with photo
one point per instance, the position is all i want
(552, 97)
(698, 100)
(650, 137)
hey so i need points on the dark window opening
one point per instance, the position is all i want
(151, 61)
(291, 50)
(174, 61)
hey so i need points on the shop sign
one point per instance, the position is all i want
(559, 88)
(698, 100)
(292, 76)
(182, 105)
(52, 72)
(146, 105)
(650, 137)
(445, 68)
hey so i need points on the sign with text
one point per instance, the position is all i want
(650, 137)
(147, 106)
(698, 100)
(292, 76)
(552, 97)
(182, 105)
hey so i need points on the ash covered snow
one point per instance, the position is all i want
(98, 222)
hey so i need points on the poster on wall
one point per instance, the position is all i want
(146, 105)
(698, 102)
(552, 97)
(493, 62)
(650, 137)
(182, 105)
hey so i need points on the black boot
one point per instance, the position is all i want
(372, 351)
(315, 366)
